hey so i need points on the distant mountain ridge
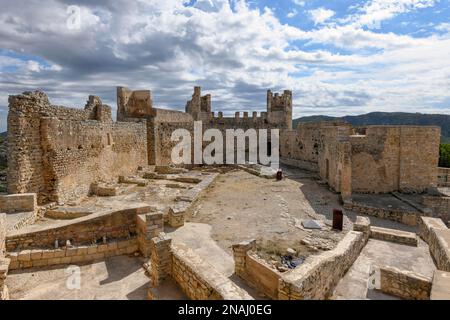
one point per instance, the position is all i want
(390, 118)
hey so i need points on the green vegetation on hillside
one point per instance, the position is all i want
(444, 152)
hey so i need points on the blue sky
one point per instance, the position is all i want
(339, 57)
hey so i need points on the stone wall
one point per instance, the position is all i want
(373, 159)
(444, 177)
(112, 224)
(26, 202)
(255, 271)
(393, 235)
(201, 281)
(405, 217)
(439, 205)
(71, 255)
(395, 158)
(403, 284)
(317, 277)
(58, 152)
(434, 232)
(148, 227)
(2, 234)
(4, 262)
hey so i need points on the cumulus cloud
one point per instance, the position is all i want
(234, 51)
(320, 15)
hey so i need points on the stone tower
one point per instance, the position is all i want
(279, 109)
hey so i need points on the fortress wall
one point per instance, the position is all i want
(79, 153)
(57, 152)
(395, 158)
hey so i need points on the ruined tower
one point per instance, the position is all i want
(199, 105)
(279, 109)
(133, 104)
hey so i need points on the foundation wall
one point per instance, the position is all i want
(255, 272)
(2, 234)
(200, 280)
(18, 203)
(80, 254)
(85, 230)
(437, 235)
(444, 177)
(405, 217)
(439, 205)
(319, 275)
(404, 284)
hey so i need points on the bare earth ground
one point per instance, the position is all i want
(240, 206)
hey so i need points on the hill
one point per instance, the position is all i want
(390, 118)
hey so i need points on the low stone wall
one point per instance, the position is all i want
(444, 177)
(403, 284)
(4, 263)
(25, 202)
(200, 280)
(72, 255)
(437, 235)
(112, 224)
(439, 205)
(4, 267)
(255, 272)
(319, 275)
(396, 236)
(405, 217)
(148, 227)
(2, 234)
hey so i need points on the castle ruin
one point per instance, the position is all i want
(83, 188)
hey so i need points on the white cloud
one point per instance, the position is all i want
(292, 13)
(234, 54)
(321, 15)
(373, 12)
(299, 2)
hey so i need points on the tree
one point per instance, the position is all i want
(444, 156)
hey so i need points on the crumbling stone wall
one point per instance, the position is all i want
(404, 284)
(395, 158)
(373, 159)
(2, 234)
(58, 152)
(319, 275)
(4, 262)
(434, 232)
(133, 104)
(444, 177)
(112, 224)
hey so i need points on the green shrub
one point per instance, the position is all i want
(444, 156)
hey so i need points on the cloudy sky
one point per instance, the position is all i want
(338, 56)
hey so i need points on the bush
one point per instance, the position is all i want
(444, 156)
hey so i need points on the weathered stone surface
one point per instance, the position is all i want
(437, 235)
(392, 235)
(441, 286)
(403, 284)
(317, 277)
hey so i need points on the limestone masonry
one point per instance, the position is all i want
(340, 220)
(59, 152)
